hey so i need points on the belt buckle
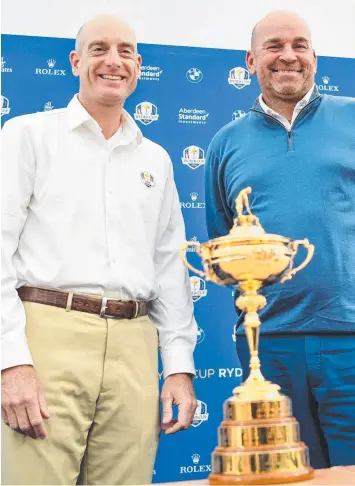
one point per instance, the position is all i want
(106, 316)
(103, 310)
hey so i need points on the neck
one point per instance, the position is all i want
(283, 107)
(108, 117)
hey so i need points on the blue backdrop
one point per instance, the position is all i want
(184, 96)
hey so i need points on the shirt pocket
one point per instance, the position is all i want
(56, 201)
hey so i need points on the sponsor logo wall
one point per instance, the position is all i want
(184, 96)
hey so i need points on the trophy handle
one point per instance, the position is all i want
(295, 244)
(183, 249)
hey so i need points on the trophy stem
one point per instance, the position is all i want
(252, 323)
(251, 302)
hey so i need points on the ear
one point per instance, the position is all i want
(139, 64)
(250, 62)
(315, 61)
(74, 59)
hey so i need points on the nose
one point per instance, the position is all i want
(288, 54)
(113, 58)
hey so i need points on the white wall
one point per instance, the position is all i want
(202, 23)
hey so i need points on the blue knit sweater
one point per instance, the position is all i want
(303, 184)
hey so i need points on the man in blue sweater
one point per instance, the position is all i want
(296, 149)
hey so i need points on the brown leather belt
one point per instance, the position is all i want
(105, 307)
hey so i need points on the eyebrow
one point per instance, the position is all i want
(103, 42)
(278, 39)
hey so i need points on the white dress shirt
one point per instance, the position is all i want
(78, 214)
(300, 105)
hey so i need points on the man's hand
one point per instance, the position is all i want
(23, 404)
(178, 390)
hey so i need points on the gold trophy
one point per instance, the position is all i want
(258, 440)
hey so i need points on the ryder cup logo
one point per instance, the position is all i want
(5, 106)
(200, 335)
(238, 114)
(50, 71)
(326, 86)
(194, 75)
(198, 288)
(147, 179)
(193, 157)
(239, 77)
(48, 106)
(3, 68)
(201, 414)
(146, 113)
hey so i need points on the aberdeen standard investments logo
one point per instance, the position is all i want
(51, 70)
(192, 116)
(150, 73)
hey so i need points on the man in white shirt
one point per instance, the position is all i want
(91, 279)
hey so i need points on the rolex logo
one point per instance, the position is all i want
(196, 467)
(326, 86)
(193, 203)
(195, 458)
(49, 71)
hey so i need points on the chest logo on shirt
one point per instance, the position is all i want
(147, 179)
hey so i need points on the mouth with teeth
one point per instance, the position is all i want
(286, 70)
(111, 77)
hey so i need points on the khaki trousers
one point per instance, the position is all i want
(100, 378)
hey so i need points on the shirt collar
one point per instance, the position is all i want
(301, 104)
(128, 131)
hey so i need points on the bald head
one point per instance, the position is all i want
(100, 23)
(274, 21)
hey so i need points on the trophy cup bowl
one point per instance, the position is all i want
(258, 440)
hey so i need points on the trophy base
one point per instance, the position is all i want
(266, 464)
(262, 478)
